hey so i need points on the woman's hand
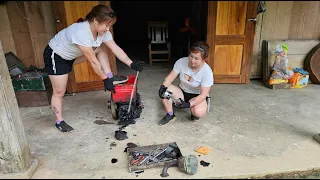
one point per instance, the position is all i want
(162, 90)
(136, 66)
(108, 84)
(182, 104)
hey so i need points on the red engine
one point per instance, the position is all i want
(120, 100)
(123, 91)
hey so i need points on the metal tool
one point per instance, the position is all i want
(208, 101)
(168, 95)
(154, 158)
(134, 85)
(148, 157)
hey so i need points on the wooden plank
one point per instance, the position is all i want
(297, 47)
(77, 9)
(39, 42)
(159, 52)
(237, 19)
(223, 8)
(159, 59)
(90, 86)
(248, 46)
(211, 31)
(20, 32)
(255, 69)
(82, 72)
(231, 17)
(232, 79)
(310, 20)
(229, 40)
(34, 98)
(303, 20)
(49, 19)
(229, 59)
(5, 32)
(59, 14)
(37, 30)
(283, 17)
(316, 30)
(269, 17)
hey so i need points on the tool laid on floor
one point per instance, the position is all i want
(148, 157)
(186, 164)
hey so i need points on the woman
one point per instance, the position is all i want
(196, 79)
(79, 42)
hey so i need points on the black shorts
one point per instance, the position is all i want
(188, 96)
(61, 66)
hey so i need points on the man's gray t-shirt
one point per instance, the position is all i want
(202, 78)
(65, 42)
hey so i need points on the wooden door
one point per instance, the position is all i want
(230, 35)
(82, 78)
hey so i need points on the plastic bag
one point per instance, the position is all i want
(280, 68)
(281, 58)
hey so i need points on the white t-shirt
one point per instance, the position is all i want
(202, 78)
(65, 42)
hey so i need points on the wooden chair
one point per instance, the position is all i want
(158, 41)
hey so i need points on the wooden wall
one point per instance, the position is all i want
(285, 20)
(26, 28)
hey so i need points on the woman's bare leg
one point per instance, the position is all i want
(59, 85)
(176, 94)
(200, 109)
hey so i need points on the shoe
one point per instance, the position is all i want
(193, 117)
(64, 127)
(119, 79)
(166, 119)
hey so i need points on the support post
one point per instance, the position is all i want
(15, 156)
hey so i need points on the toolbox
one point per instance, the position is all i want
(32, 89)
(142, 160)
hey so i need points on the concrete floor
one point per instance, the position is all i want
(250, 130)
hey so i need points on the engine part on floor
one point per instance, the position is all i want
(125, 104)
(186, 164)
(121, 135)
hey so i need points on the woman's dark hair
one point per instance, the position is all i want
(102, 13)
(201, 47)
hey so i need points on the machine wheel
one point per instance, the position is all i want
(114, 112)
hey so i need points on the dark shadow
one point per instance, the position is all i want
(131, 28)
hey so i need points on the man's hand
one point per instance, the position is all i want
(108, 84)
(162, 90)
(182, 104)
(136, 66)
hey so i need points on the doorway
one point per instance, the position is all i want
(131, 28)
